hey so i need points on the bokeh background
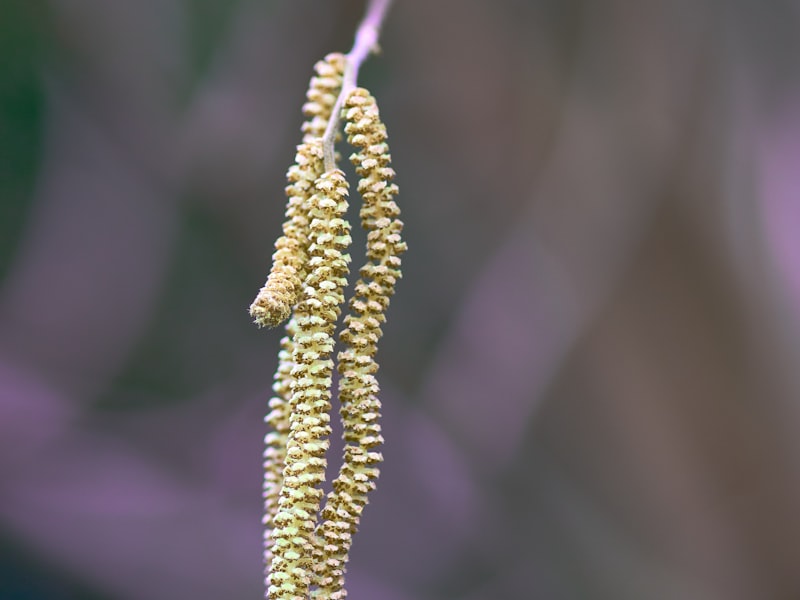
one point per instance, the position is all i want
(591, 371)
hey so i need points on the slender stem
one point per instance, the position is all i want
(366, 42)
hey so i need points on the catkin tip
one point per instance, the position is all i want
(268, 311)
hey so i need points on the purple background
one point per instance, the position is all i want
(590, 370)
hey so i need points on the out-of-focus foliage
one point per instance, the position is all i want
(590, 368)
(21, 116)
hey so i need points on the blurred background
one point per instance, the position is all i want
(590, 370)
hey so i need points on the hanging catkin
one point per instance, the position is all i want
(358, 387)
(309, 423)
(274, 301)
(289, 265)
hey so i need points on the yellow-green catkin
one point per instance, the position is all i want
(290, 270)
(358, 387)
(279, 404)
(315, 317)
(273, 304)
(322, 94)
(275, 440)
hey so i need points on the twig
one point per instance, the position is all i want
(365, 43)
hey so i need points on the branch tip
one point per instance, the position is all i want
(366, 43)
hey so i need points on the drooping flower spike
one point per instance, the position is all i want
(358, 387)
(309, 423)
(280, 293)
(274, 301)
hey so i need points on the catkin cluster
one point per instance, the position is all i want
(306, 546)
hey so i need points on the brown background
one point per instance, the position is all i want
(590, 370)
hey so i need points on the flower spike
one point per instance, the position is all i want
(274, 301)
(315, 316)
(288, 277)
(358, 387)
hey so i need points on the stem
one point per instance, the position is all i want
(365, 43)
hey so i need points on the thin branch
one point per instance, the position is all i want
(366, 42)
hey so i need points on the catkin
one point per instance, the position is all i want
(309, 423)
(273, 304)
(275, 441)
(358, 387)
(279, 294)
(322, 94)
